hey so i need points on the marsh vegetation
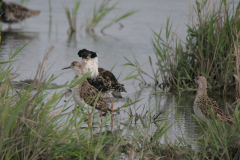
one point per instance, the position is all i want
(100, 11)
(35, 124)
(210, 48)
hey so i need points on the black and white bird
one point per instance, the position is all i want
(14, 13)
(100, 78)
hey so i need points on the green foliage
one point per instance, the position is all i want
(138, 68)
(100, 12)
(208, 50)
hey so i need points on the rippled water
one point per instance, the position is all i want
(133, 38)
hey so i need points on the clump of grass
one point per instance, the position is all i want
(72, 16)
(208, 49)
(99, 13)
(28, 117)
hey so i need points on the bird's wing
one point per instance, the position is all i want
(206, 103)
(89, 94)
(111, 80)
(17, 12)
(99, 83)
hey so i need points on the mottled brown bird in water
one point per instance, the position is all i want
(14, 13)
(84, 93)
(202, 103)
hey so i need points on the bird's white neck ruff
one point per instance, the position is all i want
(91, 66)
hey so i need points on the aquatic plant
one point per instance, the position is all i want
(208, 49)
(100, 12)
(141, 73)
(72, 16)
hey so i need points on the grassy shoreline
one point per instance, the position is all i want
(31, 128)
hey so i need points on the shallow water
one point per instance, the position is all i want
(134, 38)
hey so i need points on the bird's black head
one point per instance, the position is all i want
(84, 53)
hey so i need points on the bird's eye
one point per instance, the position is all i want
(87, 57)
(197, 78)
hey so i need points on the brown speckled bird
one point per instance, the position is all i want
(84, 93)
(202, 103)
(14, 13)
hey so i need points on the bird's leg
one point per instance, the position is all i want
(101, 116)
(111, 103)
(88, 118)
(111, 112)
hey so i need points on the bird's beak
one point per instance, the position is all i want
(83, 62)
(66, 67)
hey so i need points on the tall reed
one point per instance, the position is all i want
(101, 11)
